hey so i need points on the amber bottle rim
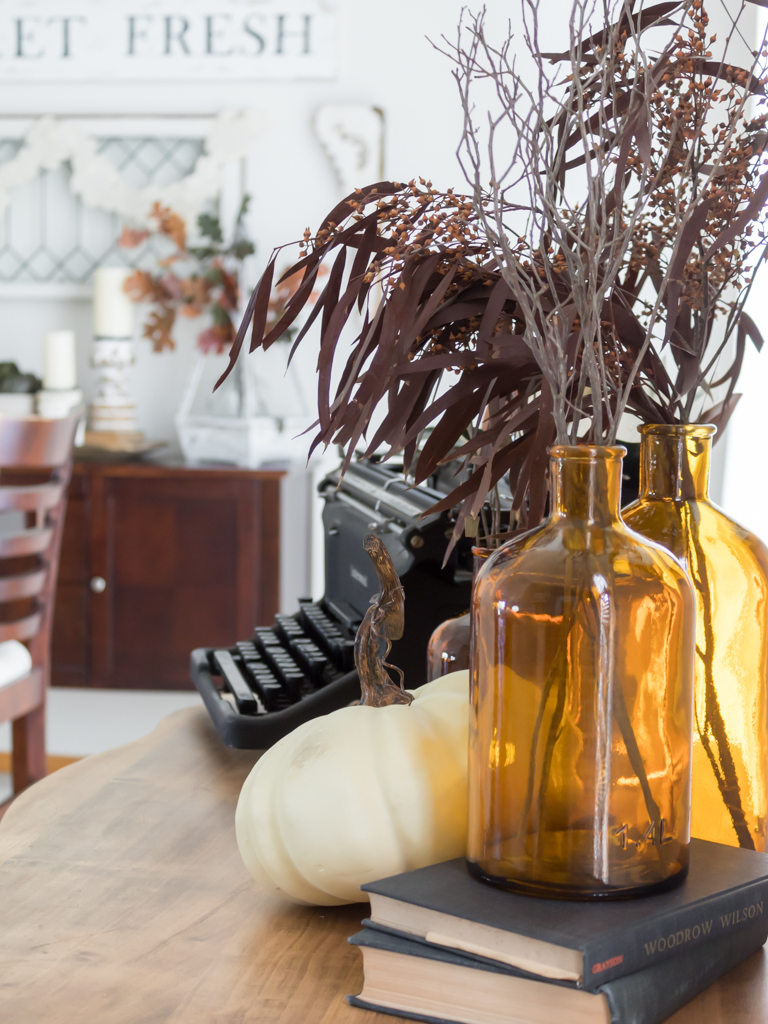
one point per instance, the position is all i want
(587, 452)
(678, 429)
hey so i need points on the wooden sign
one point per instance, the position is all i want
(164, 40)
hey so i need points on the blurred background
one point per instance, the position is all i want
(107, 109)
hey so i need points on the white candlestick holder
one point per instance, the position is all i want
(114, 407)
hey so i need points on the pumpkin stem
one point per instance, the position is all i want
(384, 622)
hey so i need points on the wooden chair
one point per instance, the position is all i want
(35, 467)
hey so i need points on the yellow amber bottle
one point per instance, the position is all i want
(729, 569)
(581, 704)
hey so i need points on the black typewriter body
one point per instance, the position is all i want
(302, 666)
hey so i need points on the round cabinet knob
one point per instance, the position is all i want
(98, 584)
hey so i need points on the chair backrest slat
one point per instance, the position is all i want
(21, 629)
(36, 442)
(25, 542)
(30, 498)
(28, 584)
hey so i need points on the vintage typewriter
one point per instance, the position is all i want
(303, 665)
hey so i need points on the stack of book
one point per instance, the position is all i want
(442, 947)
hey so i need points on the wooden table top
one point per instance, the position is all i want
(123, 900)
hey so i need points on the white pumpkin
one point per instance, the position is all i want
(359, 794)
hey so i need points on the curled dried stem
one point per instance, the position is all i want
(384, 622)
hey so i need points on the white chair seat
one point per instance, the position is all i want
(15, 662)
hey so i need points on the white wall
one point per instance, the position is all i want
(383, 60)
(745, 472)
(745, 467)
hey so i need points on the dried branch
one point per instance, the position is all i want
(664, 220)
(585, 280)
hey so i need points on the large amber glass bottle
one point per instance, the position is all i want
(582, 691)
(729, 570)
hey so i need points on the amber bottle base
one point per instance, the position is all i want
(558, 892)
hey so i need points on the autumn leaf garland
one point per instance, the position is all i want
(210, 285)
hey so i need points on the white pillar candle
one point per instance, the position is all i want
(112, 308)
(59, 362)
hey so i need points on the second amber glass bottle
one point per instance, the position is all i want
(582, 692)
(729, 569)
(448, 647)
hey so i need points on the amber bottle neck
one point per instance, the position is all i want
(674, 461)
(586, 483)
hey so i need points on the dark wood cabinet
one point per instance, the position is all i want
(157, 560)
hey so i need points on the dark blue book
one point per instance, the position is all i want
(584, 943)
(426, 983)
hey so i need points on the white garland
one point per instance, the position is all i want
(98, 183)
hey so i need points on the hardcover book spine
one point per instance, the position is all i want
(667, 937)
(649, 997)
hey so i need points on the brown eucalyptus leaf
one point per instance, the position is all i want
(406, 404)
(498, 298)
(539, 456)
(688, 375)
(380, 189)
(609, 111)
(729, 73)
(503, 460)
(293, 307)
(339, 311)
(688, 238)
(472, 385)
(366, 343)
(434, 301)
(450, 360)
(720, 414)
(256, 313)
(425, 393)
(453, 423)
(454, 312)
(240, 336)
(750, 327)
(317, 308)
(738, 224)
(482, 440)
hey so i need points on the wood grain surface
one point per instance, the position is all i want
(123, 900)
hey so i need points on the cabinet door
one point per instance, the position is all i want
(189, 560)
(70, 642)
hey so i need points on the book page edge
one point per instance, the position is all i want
(559, 963)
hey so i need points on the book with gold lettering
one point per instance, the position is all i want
(585, 944)
(437, 986)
